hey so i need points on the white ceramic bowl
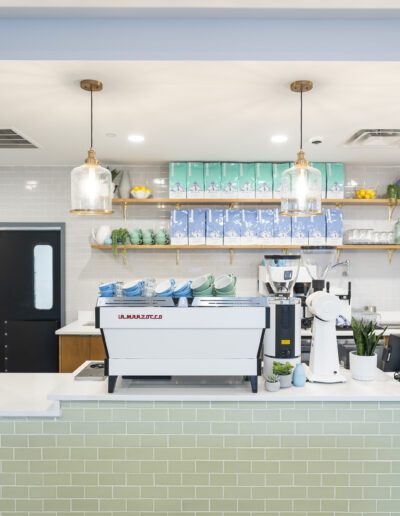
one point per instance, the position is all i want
(140, 194)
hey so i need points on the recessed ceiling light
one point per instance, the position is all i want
(279, 138)
(136, 138)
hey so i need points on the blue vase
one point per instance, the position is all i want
(299, 376)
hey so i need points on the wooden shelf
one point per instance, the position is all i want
(168, 201)
(391, 247)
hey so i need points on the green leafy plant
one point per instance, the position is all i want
(120, 236)
(273, 378)
(365, 336)
(282, 369)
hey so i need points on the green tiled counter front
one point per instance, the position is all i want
(204, 458)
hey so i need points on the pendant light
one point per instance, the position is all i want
(301, 184)
(91, 184)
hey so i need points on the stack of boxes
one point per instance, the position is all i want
(254, 227)
(231, 180)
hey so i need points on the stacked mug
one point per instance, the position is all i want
(107, 289)
(165, 288)
(225, 286)
(183, 289)
(133, 288)
(203, 286)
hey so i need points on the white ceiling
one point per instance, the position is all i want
(296, 8)
(196, 110)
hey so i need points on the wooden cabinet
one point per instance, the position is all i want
(76, 349)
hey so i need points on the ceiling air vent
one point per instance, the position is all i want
(375, 138)
(9, 139)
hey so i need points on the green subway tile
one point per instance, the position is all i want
(125, 414)
(210, 441)
(229, 428)
(292, 492)
(223, 453)
(323, 415)
(349, 441)
(112, 479)
(361, 454)
(311, 479)
(212, 466)
(251, 505)
(149, 466)
(279, 505)
(7, 505)
(126, 441)
(306, 454)
(210, 492)
(168, 505)
(114, 428)
(181, 441)
(362, 505)
(184, 466)
(56, 505)
(281, 428)
(153, 492)
(185, 491)
(389, 505)
(195, 505)
(386, 454)
(379, 441)
(140, 479)
(253, 428)
(84, 479)
(238, 415)
(235, 466)
(98, 414)
(56, 427)
(138, 453)
(192, 453)
(335, 505)
(285, 405)
(6, 453)
(248, 453)
(363, 480)
(168, 479)
(84, 505)
(310, 428)
(389, 428)
(15, 466)
(380, 493)
(56, 479)
(295, 415)
(67, 441)
(379, 416)
(28, 427)
(70, 466)
(322, 441)
(140, 505)
(321, 492)
(349, 466)
(126, 492)
(70, 492)
(350, 415)
(81, 453)
(267, 415)
(306, 505)
(196, 479)
(376, 466)
(30, 505)
(96, 466)
(168, 427)
(223, 505)
(181, 414)
(73, 414)
(14, 441)
(98, 491)
(258, 441)
(258, 466)
(366, 428)
(43, 466)
(239, 492)
(7, 479)
(320, 466)
(196, 428)
(335, 454)
(139, 427)
(293, 467)
(43, 492)
(55, 453)
(112, 505)
(27, 453)
(338, 479)
(158, 414)
(279, 479)
(7, 427)
(341, 428)
(110, 453)
(349, 493)
(100, 441)
(84, 427)
(14, 492)
(29, 479)
(389, 480)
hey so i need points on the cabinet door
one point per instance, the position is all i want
(74, 350)
(97, 351)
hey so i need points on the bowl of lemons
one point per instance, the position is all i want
(365, 193)
(140, 192)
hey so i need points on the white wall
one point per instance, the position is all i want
(375, 280)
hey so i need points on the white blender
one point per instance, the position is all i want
(282, 338)
(325, 307)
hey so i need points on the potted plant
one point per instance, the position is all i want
(272, 383)
(285, 372)
(363, 361)
(120, 236)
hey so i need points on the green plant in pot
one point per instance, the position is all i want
(272, 383)
(285, 372)
(363, 361)
(122, 237)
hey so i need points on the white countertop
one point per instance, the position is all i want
(39, 394)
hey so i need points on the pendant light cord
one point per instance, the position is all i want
(301, 119)
(91, 118)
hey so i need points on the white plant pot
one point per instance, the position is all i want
(286, 380)
(363, 367)
(272, 386)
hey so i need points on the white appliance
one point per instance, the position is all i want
(206, 337)
(324, 358)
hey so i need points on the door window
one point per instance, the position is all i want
(43, 276)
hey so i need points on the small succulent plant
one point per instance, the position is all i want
(273, 378)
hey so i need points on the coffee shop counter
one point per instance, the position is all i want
(40, 394)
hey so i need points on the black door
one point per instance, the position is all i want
(30, 299)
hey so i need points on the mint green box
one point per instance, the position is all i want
(277, 171)
(212, 180)
(177, 180)
(230, 180)
(264, 182)
(334, 180)
(322, 168)
(247, 181)
(195, 180)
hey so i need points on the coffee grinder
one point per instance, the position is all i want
(282, 338)
(325, 308)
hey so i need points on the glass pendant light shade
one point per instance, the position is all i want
(301, 189)
(91, 184)
(91, 188)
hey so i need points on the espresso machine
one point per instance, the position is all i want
(325, 307)
(282, 338)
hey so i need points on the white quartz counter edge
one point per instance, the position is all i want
(39, 394)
